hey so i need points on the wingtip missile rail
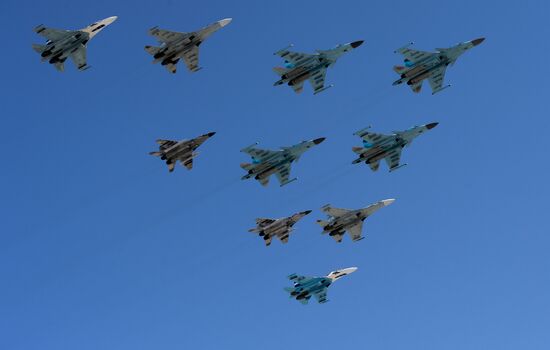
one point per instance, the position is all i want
(443, 88)
(323, 89)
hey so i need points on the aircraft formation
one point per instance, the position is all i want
(297, 69)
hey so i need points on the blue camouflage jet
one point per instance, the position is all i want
(421, 65)
(305, 287)
(299, 67)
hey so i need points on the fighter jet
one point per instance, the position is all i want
(299, 67)
(266, 163)
(184, 151)
(62, 44)
(280, 228)
(305, 287)
(379, 146)
(420, 65)
(176, 45)
(342, 220)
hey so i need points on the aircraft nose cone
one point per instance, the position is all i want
(477, 41)
(306, 212)
(431, 125)
(210, 134)
(319, 140)
(225, 21)
(110, 20)
(387, 202)
(349, 270)
(356, 44)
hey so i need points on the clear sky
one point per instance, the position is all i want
(102, 248)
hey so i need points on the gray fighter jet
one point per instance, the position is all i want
(305, 287)
(183, 151)
(342, 220)
(379, 146)
(420, 65)
(266, 163)
(280, 228)
(62, 44)
(176, 45)
(299, 67)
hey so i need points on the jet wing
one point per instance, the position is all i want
(264, 221)
(415, 56)
(191, 58)
(299, 279)
(165, 144)
(355, 231)
(259, 154)
(321, 296)
(52, 34)
(166, 36)
(334, 212)
(393, 158)
(294, 58)
(317, 80)
(372, 138)
(79, 57)
(436, 79)
(283, 173)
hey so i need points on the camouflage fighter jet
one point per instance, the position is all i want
(342, 220)
(379, 146)
(183, 151)
(420, 65)
(299, 67)
(62, 44)
(305, 287)
(280, 228)
(176, 45)
(266, 163)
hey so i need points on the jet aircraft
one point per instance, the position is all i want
(177, 45)
(379, 146)
(62, 44)
(299, 67)
(421, 65)
(305, 287)
(183, 151)
(280, 228)
(266, 162)
(342, 220)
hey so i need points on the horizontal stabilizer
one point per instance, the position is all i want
(280, 70)
(247, 166)
(399, 69)
(156, 154)
(38, 48)
(322, 223)
(152, 49)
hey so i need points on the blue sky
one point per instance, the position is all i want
(102, 248)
